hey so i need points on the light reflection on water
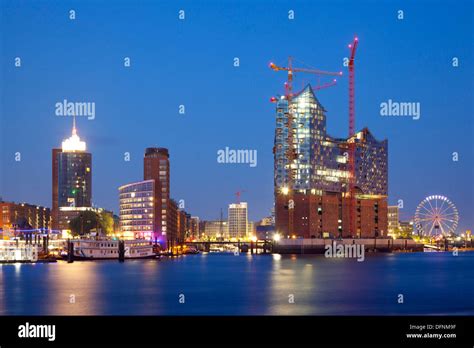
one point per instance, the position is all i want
(434, 283)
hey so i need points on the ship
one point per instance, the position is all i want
(90, 249)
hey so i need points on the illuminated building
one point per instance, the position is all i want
(393, 220)
(265, 231)
(24, 216)
(66, 214)
(238, 220)
(251, 228)
(215, 229)
(317, 192)
(406, 229)
(146, 209)
(72, 177)
(138, 210)
(182, 225)
(156, 166)
(194, 227)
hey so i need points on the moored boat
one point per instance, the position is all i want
(91, 249)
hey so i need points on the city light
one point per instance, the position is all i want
(276, 237)
(285, 190)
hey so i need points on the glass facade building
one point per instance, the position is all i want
(137, 218)
(72, 178)
(311, 175)
(319, 162)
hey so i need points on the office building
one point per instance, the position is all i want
(72, 177)
(238, 220)
(393, 220)
(215, 229)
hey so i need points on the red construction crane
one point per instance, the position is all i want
(291, 154)
(352, 47)
(238, 193)
(290, 70)
(352, 144)
(326, 85)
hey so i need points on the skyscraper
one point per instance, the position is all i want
(156, 166)
(72, 178)
(238, 220)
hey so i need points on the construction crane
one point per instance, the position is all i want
(316, 88)
(291, 154)
(290, 69)
(326, 85)
(237, 194)
(352, 144)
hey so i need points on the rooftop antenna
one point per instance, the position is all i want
(74, 131)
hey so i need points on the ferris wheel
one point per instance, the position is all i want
(436, 215)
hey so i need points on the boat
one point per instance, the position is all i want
(13, 251)
(91, 249)
(190, 250)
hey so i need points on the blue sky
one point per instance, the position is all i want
(190, 62)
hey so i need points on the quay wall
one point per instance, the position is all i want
(318, 245)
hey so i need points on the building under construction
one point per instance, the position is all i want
(325, 186)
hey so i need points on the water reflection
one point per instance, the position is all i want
(292, 286)
(242, 285)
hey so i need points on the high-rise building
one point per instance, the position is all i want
(72, 177)
(156, 166)
(311, 174)
(238, 220)
(146, 209)
(393, 219)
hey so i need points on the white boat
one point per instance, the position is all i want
(15, 251)
(90, 249)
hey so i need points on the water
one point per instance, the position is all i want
(431, 283)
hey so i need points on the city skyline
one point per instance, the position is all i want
(129, 121)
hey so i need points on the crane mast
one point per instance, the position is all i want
(352, 144)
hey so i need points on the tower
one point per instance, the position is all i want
(72, 178)
(156, 166)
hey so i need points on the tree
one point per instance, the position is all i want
(106, 223)
(84, 223)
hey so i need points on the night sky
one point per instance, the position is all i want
(191, 62)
